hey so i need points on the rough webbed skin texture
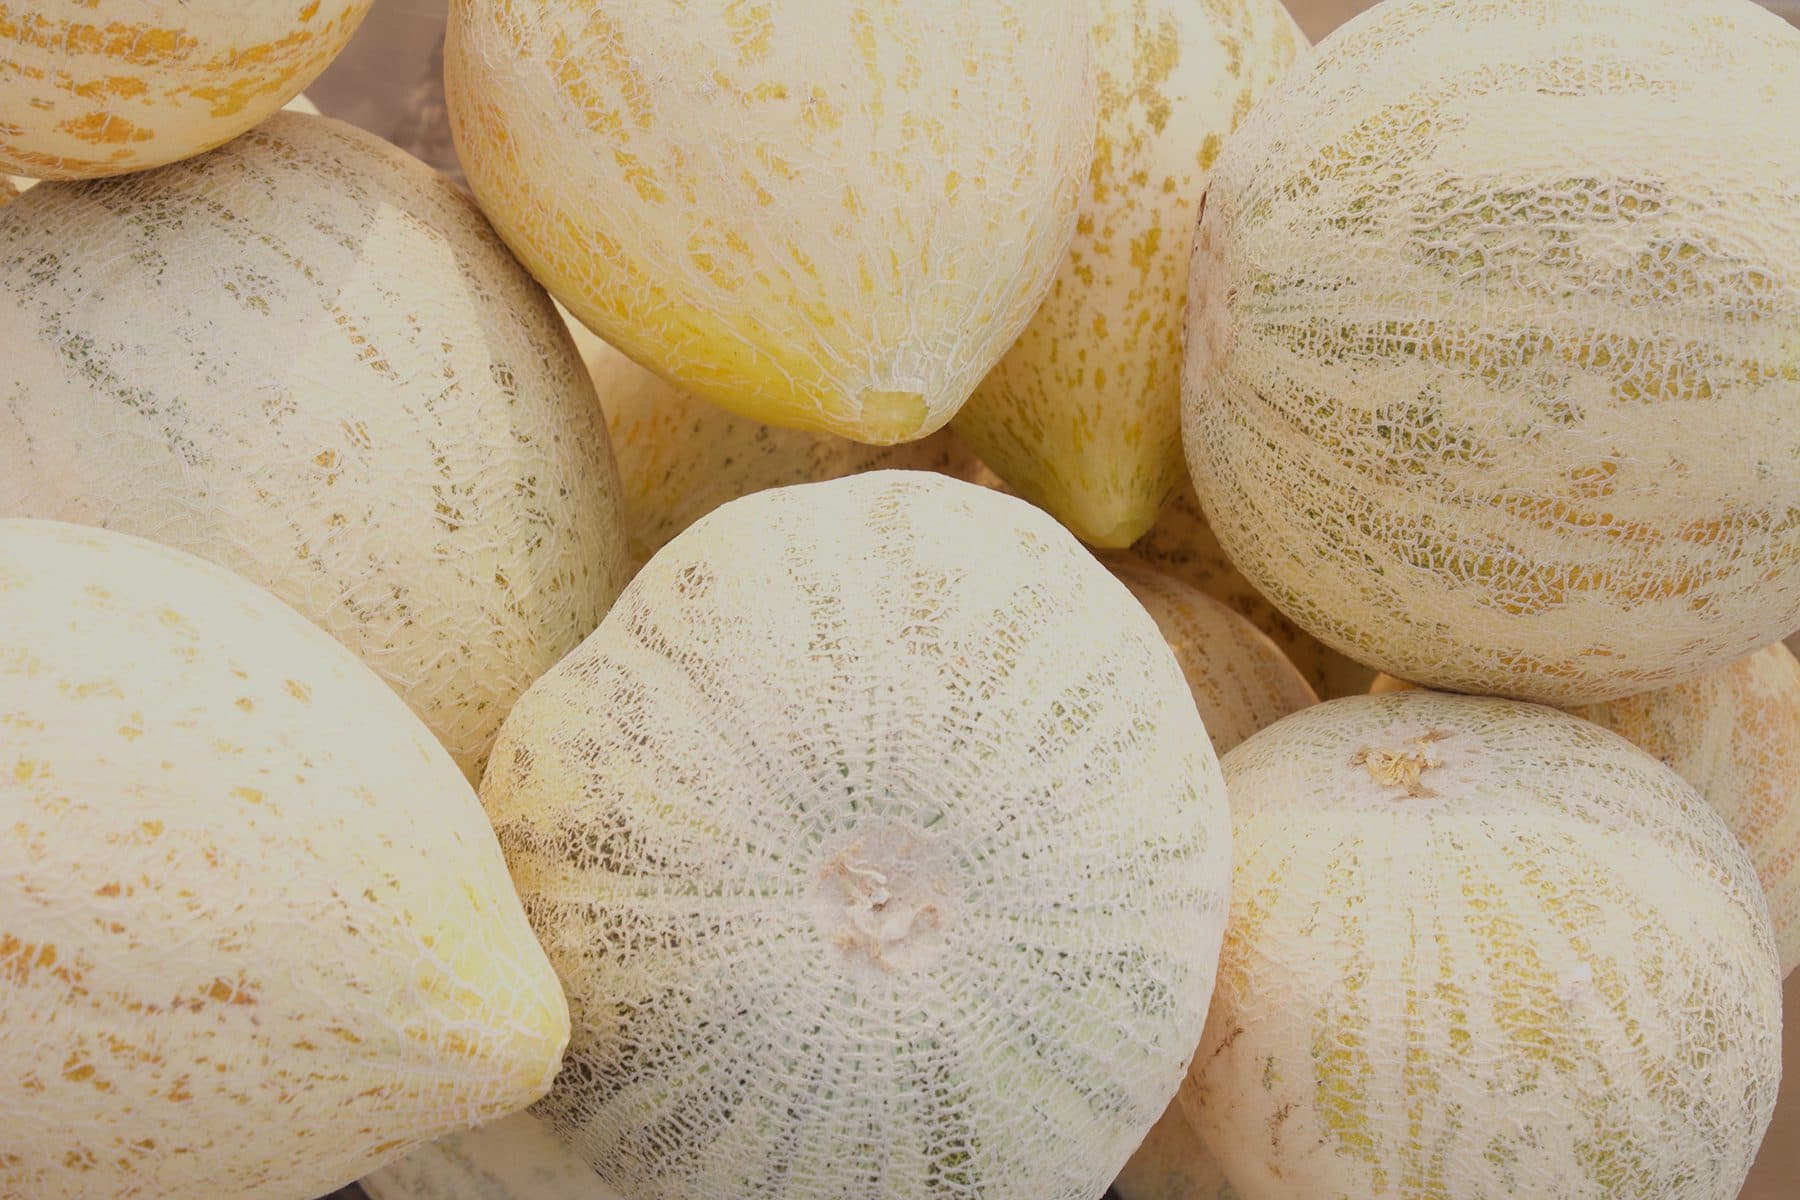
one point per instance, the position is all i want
(1494, 343)
(91, 89)
(1482, 949)
(881, 851)
(255, 933)
(1083, 414)
(823, 215)
(681, 457)
(516, 1158)
(307, 357)
(1735, 735)
(1172, 1165)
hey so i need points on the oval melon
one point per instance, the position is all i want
(821, 215)
(515, 1158)
(1493, 373)
(255, 932)
(1083, 414)
(1482, 949)
(307, 357)
(90, 90)
(885, 860)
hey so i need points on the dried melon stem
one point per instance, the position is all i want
(1404, 767)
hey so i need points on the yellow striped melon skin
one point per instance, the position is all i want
(1483, 949)
(256, 935)
(307, 357)
(1734, 734)
(91, 89)
(515, 1158)
(1083, 415)
(823, 215)
(1493, 373)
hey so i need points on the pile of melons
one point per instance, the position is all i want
(777, 650)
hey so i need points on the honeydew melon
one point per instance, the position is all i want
(820, 215)
(515, 1158)
(89, 90)
(255, 932)
(1480, 948)
(1083, 414)
(1493, 374)
(883, 860)
(307, 357)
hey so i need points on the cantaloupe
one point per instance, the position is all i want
(1493, 374)
(1482, 949)
(307, 357)
(255, 933)
(1083, 415)
(89, 89)
(515, 1158)
(1735, 735)
(820, 215)
(877, 841)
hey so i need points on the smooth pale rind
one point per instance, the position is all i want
(255, 932)
(1735, 735)
(307, 357)
(878, 843)
(1083, 414)
(515, 1158)
(1172, 1164)
(1404, 433)
(89, 90)
(821, 215)
(1483, 949)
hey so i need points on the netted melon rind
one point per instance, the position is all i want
(515, 1158)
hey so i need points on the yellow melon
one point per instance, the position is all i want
(1083, 415)
(821, 215)
(515, 1158)
(91, 89)
(255, 932)
(1482, 949)
(1493, 373)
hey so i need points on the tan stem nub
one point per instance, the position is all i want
(1404, 767)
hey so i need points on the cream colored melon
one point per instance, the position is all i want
(511, 1159)
(89, 89)
(307, 357)
(1494, 343)
(1083, 415)
(1734, 734)
(1482, 949)
(821, 215)
(882, 859)
(255, 933)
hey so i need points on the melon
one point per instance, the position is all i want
(306, 356)
(1493, 375)
(1480, 948)
(8, 190)
(884, 860)
(255, 932)
(515, 1158)
(1734, 734)
(1083, 414)
(821, 215)
(89, 90)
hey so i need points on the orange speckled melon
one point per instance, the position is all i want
(90, 89)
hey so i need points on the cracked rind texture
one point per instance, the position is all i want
(307, 357)
(1406, 430)
(89, 90)
(255, 933)
(821, 215)
(880, 848)
(515, 1158)
(681, 457)
(1083, 414)
(1734, 734)
(1486, 949)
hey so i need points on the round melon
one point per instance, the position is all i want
(88, 89)
(1735, 735)
(255, 932)
(307, 357)
(1482, 949)
(1493, 375)
(515, 1158)
(886, 860)
(1083, 414)
(820, 215)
